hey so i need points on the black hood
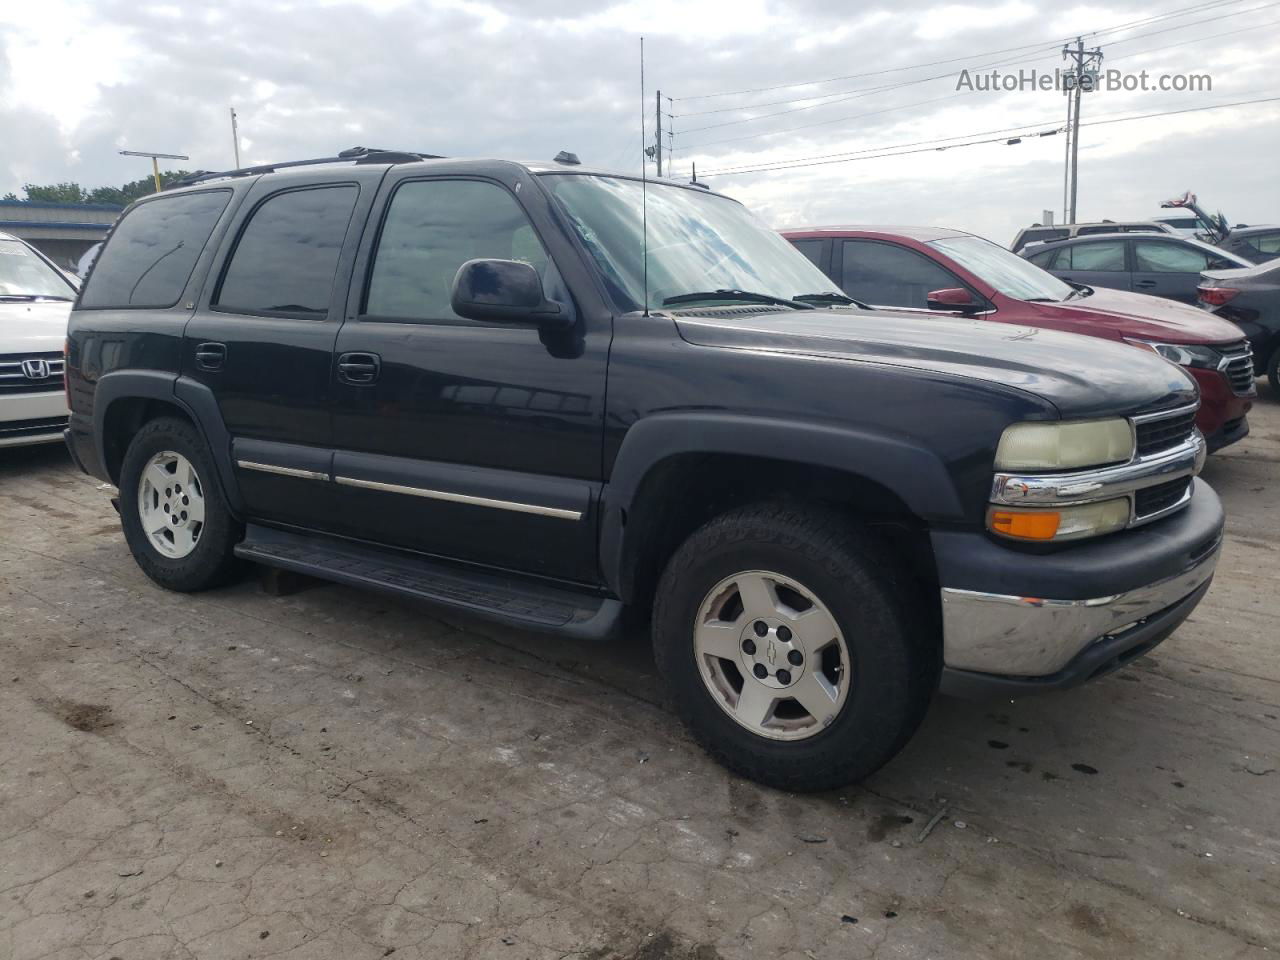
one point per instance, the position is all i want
(1081, 376)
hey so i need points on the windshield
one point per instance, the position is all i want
(23, 274)
(1007, 272)
(698, 242)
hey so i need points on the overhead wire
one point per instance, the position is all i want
(873, 153)
(1167, 15)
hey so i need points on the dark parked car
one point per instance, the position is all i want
(1250, 298)
(476, 383)
(935, 270)
(1258, 244)
(1162, 266)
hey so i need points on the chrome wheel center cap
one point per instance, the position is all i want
(771, 653)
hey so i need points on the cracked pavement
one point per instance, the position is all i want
(338, 774)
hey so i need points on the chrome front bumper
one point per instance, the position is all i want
(1017, 636)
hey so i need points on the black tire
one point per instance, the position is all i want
(1273, 372)
(895, 658)
(212, 562)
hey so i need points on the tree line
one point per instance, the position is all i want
(71, 192)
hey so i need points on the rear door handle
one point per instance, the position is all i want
(211, 356)
(1144, 283)
(359, 369)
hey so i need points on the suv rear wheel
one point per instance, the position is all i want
(787, 641)
(175, 519)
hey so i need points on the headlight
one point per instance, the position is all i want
(1184, 354)
(1057, 445)
(1059, 523)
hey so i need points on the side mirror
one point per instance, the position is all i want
(952, 298)
(504, 291)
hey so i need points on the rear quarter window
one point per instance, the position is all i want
(152, 251)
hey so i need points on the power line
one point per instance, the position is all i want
(930, 145)
(823, 123)
(860, 93)
(962, 93)
(868, 91)
(1185, 11)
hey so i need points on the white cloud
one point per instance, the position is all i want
(526, 78)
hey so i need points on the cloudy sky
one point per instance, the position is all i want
(82, 79)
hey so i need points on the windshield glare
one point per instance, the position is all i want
(1007, 272)
(697, 242)
(23, 274)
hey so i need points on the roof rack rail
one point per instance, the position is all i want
(356, 154)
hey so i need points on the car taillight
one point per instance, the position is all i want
(1215, 296)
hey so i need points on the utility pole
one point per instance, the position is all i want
(1082, 78)
(657, 154)
(235, 137)
(155, 161)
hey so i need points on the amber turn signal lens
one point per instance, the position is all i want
(1026, 525)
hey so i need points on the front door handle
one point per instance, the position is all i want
(211, 356)
(359, 369)
(1144, 283)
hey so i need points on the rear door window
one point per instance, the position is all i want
(284, 262)
(885, 275)
(152, 251)
(1154, 257)
(1104, 256)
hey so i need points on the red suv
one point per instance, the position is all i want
(934, 269)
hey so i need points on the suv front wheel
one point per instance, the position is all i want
(787, 640)
(175, 519)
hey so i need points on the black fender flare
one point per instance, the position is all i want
(911, 471)
(192, 397)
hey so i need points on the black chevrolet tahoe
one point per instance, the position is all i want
(542, 394)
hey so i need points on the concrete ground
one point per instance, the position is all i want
(336, 774)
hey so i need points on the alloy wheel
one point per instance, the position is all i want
(171, 504)
(772, 655)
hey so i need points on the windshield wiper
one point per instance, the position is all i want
(28, 297)
(1080, 291)
(744, 295)
(832, 298)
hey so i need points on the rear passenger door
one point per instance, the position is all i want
(262, 337)
(1098, 263)
(887, 275)
(1167, 268)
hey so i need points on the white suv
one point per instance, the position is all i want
(35, 301)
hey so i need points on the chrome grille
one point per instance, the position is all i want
(13, 379)
(1238, 367)
(1164, 433)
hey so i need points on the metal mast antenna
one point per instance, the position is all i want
(235, 137)
(644, 187)
(657, 117)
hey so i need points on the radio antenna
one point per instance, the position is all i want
(644, 187)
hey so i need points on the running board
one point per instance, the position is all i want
(520, 603)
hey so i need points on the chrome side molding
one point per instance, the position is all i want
(466, 498)
(282, 471)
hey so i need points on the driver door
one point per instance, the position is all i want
(454, 437)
